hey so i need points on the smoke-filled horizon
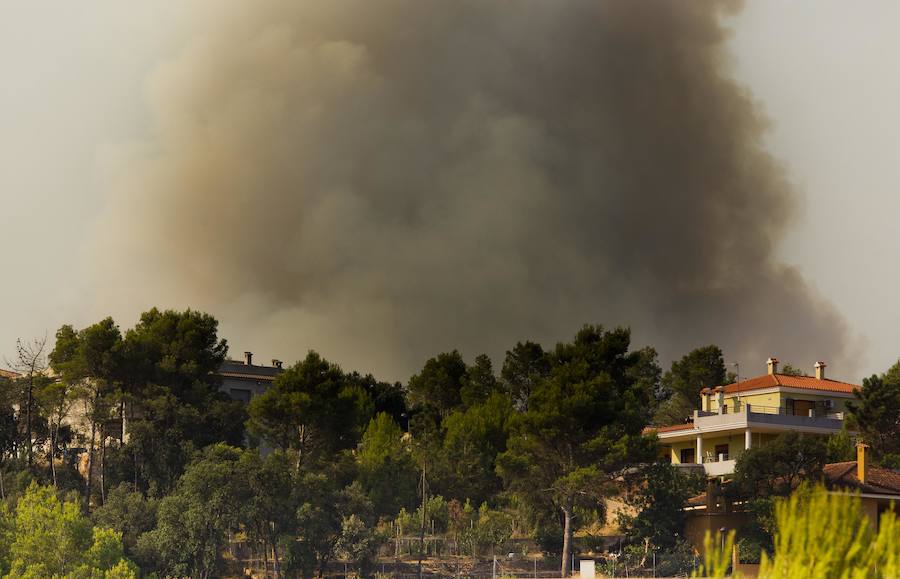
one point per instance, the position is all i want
(384, 181)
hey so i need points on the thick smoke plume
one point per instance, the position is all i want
(381, 181)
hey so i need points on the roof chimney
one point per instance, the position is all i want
(772, 363)
(276, 363)
(820, 370)
(248, 358)
(861, 463)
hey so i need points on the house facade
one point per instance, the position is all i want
(244, 380)
(750, 413)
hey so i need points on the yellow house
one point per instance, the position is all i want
(735, 417)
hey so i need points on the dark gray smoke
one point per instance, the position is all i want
(385, 180)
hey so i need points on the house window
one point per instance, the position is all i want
(240, 394)
(688, 456)
(802, 407)
(721, 452)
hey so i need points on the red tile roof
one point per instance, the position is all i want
(672, 428)
(804, 382)
(8, 374)
(878, 480)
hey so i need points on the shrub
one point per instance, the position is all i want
(823, 535)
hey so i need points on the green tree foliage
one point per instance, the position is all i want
(473, 439)
(582, 424)
(659, 500)
(358, 544)
(127, 512)
(439, 384)
(267, 510)
(491, 530)
(524, 367)
(479, 382)
(9, 427)
(53, 538)
(194, 521)
(55, 399)
(781, 465)
(875, 412)
(789, 370)
(823, 536)
(172, 359)
(389, 397)
(841, 447)
(681, 385)
(161, 380)
(716, 558)
(386, 467)
(324, 505)
(311, 409)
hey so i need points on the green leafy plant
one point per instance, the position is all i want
(825, 535)
(716, 557)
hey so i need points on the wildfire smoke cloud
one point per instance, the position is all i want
(381, 181)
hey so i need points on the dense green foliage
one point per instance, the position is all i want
(582, 426)
(143, 459)
(875, 412)
(780, 466)
(825, 535)
(660, 497)
(680, 387)
(46, 537)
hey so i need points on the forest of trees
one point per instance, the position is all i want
(124, 442)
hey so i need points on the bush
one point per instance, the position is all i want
(827, 536)
(549, 539)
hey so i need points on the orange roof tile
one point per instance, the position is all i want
(804, 382)
(878, 480)
(8, 374)
(671, 428)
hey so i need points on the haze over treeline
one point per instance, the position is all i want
(382, 181)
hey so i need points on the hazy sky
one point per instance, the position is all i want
(74, 100)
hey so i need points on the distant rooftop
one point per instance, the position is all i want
(878, 480)
(773, 379)
(788, 381)
(8, 374)
(247, 369)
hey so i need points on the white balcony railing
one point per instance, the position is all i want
(743, 414)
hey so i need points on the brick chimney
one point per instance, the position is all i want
(772, 364)
(820, 370)
(862, 465)
(276, 363)
(248, 358)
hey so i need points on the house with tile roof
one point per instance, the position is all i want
(738, 416)
(244, 380)
(877, 488)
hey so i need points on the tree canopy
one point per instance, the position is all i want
(875, 412)
(583, 424)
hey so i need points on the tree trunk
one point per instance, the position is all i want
(103, 465)
(567, 542)
(277, 566)
(29, 402)
(54, 432)
(265, 559)
(122, 424)
(90, 468)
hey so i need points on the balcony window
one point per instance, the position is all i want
(721, 452)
